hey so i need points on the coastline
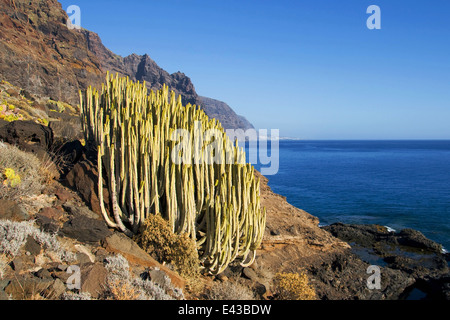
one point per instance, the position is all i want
(336, 257)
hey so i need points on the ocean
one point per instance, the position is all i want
(398, 184)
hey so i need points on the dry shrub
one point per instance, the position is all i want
(122, 285)
(14, 235)
(4, 261)
(293, 286)
(230, 290)
(158, 240)
(27, 166)
(122, 290)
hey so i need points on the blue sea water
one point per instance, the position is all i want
(400, 184)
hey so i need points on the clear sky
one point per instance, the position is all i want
(309, 68)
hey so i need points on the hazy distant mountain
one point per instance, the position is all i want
(228, 118)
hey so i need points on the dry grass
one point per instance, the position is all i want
(27, 166)
(34, 174)
(4, 261)
(229, 290)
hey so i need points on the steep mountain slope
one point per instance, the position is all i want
(40, 54)
(228, 118)
(141, 68)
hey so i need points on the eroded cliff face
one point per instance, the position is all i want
(228, 118)
(141, 68)
(40, 54)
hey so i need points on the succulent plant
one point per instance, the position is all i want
(212, 195)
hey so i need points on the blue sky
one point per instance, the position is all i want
(309, 68)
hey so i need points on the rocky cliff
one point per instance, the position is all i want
(141, 68)
(220, 110)
(40, 54)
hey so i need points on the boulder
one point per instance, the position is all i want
(10, 210)
(32, 246)
(55, 290)
(83, 178)
(63, 194)
(28, 136)
(93, 279)
(85, 229)
(119, 243)
(47, 224)
(51, 213)
(22, 288)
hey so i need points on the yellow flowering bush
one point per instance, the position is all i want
(11, 178)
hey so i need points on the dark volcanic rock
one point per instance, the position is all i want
(83, 178)
(28, 136)
(408, 252)
(363, 235)
(85, 229)
(71, 152)
(47, 224)
(414, 238)
(32, 246)
(345, 275)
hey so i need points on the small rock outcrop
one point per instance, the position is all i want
(28, 136)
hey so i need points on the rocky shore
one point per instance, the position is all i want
(417, 260)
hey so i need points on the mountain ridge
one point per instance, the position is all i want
(39, 53)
